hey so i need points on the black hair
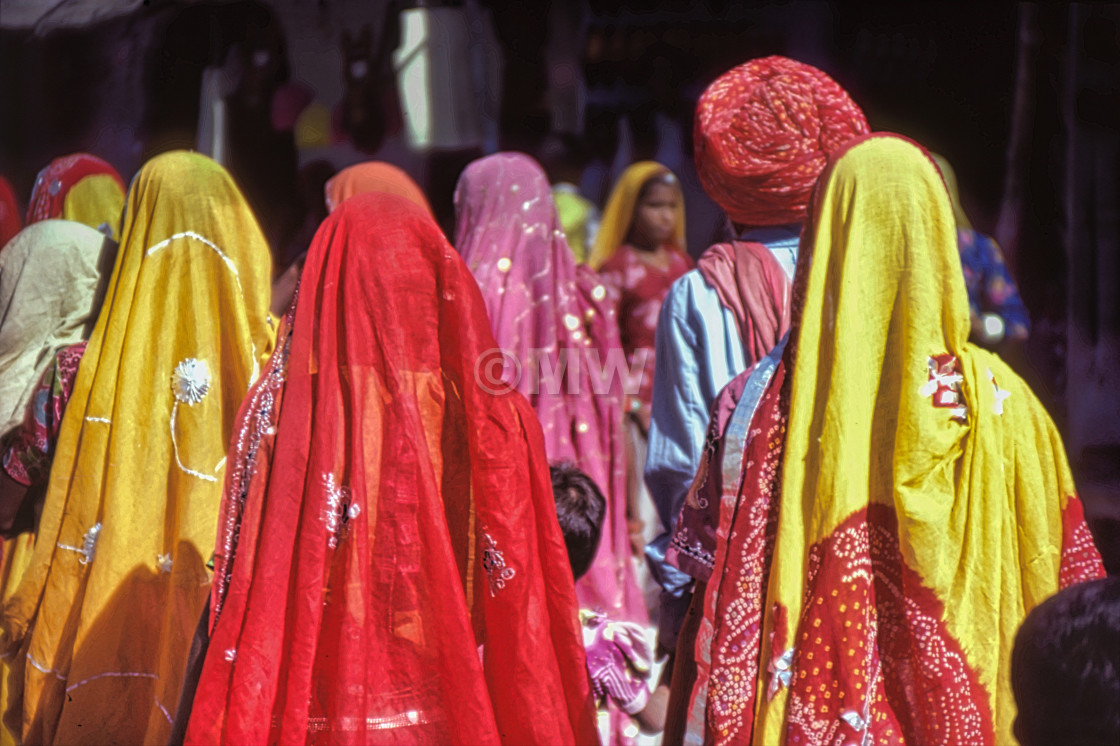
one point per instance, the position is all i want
(665, 178)
(1065, 668)
(580, 508)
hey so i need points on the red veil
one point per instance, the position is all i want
(389, 565)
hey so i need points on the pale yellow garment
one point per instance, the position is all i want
(950, 177)
(50, 278)
(96, 201)
(103, 618)
(978, 504)
(618, 215)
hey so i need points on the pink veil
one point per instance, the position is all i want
(546, 312)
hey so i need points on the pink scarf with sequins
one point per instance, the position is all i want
(557, 333)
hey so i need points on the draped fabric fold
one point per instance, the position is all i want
(904, 499)
(389, 567)
(100, 625)
(752, 285)
(51, 287)
(559, 341)
(82, 188)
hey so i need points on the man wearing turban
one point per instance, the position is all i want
(764, 132)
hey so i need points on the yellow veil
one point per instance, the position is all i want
(950, 177)
(101, 623)
(619, 212)
(978, 502)
(96, 201)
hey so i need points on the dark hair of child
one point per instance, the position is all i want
(1065, 668)
(580, 508)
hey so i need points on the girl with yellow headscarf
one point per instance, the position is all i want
(100, 626)
(893, 503)
(639, 250)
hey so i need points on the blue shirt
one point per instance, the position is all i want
(698, 352)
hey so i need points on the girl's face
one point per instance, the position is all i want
(655, 216)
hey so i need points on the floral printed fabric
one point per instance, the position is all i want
(990, 286)
(27, 450)
(641, 288)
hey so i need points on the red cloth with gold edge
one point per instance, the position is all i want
(764, 132)
(389, 565)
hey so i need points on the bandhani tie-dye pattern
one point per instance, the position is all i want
(874, 661)
(874, 566)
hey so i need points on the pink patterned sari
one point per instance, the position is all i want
(559, 338)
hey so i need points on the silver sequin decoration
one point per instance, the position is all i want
(339, 510)
(89, 544)
(190, 381)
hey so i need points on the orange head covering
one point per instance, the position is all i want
(373, 176)
(764, 132)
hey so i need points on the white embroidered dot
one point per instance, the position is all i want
(582, 427)
(354, 510)
(515, 188)
(571, 322)
(230, 655)
(190, 381)
(504, 264)
(164, 561)
(599, 292)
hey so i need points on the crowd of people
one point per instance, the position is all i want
(500, 490)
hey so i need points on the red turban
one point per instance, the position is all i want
(764, 132)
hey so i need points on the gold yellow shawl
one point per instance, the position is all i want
(618, 215)
(972, 469)
(95, 201)
(103, 618)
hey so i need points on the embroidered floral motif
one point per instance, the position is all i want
(944, 385)
(494, 563)
(339, 511)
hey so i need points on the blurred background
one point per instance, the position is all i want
(1022, 98)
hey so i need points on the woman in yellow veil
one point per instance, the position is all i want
(895, 501)
(79, 187)
(100, 626)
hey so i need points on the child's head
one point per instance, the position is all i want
(656, 211)
(580, 507)
(1065, 668)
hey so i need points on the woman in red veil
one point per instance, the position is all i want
(389, 566)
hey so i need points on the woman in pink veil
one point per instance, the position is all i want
(560, 347)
